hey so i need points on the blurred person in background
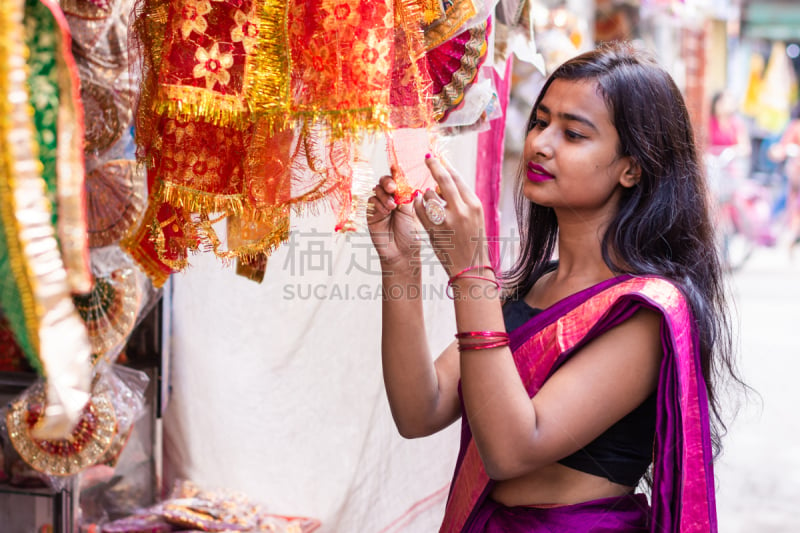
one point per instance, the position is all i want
(728, 140)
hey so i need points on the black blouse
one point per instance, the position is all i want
(624, 451)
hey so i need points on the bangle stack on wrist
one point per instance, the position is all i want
(463, 275)
(481, 340)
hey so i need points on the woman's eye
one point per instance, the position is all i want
(538, 124)
(573, 135)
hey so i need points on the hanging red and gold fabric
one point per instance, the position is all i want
(251, 109)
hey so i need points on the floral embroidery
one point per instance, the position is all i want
(317, 63)
(245, 32)
(201, 164)
(212, 65)
(371, 60)
(193, 14)
(341, 14)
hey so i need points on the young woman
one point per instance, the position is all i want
(599, 360)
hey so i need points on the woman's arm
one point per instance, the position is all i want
(422, 393)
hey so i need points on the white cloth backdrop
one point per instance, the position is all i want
(277, 389)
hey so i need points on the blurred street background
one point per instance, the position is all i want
(758, 474)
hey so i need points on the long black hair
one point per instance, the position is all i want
(663, 225)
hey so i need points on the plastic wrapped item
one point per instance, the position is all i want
(115, 200)
(138, 524)
(126, 387)
(109, 85)
(110, 311)
(83, 447)
(116, 402)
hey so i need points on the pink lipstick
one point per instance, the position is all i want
(537, 173)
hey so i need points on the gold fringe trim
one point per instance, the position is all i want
(130, 245)
(148, 33)
(248, 252)
(345, 123)
(196, 201)
(267, 83)
(196, 103)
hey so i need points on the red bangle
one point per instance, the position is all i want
(460, 275)
(482, 346)
(481, 334)
(481, 340)
(476, 267)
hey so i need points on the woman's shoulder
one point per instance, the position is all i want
(662, 293)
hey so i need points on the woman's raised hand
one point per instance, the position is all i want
(392, 227)
(459, 237)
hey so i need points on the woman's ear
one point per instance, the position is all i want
(632, 173)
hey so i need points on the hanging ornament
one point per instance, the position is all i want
(82, 448)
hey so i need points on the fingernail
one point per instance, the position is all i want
(428, 156)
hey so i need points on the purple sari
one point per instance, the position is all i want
(683, 480)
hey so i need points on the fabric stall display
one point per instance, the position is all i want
(114, 182)
(117, 400)
(41, 182)
(71, 297)
(254, 110)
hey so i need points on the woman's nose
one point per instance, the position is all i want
(540, 143)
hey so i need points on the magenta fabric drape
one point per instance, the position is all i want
(489, 167)
(683, 480)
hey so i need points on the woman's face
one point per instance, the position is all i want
(571, 154)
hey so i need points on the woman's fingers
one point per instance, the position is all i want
(465, 192)
(443, 179)
(384, 192)
(420, 203)
(452, 186)
(388, 184)
(376, 211)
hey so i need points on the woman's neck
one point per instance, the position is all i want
(579, 250)
(580, 266)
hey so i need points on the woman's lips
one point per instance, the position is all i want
(537, 173)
